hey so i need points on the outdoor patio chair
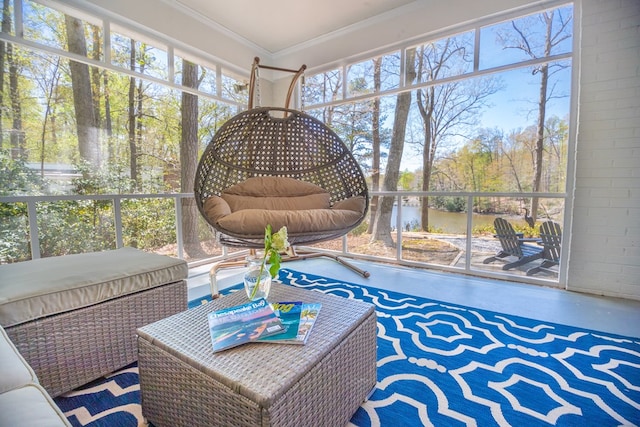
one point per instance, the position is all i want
(279, 167)
(513, 246)
(550, 238)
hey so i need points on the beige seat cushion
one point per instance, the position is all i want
(30, 406)
(43, 287)
(16, 372)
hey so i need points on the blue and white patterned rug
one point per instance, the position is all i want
(447, 365)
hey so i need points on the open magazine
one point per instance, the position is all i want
(244, 323)
(297, 319)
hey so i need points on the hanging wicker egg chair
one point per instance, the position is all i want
(255, 144)
(282, 167)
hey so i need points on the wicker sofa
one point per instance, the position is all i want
(72, 319)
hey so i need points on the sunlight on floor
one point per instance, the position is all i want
(613, 315)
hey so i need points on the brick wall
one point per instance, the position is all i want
(604, 255)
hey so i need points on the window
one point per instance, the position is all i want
(461, 100)
(479, 111)
(95, 107)
(447, 121)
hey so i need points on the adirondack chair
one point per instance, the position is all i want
(513, 246)
(551, 237)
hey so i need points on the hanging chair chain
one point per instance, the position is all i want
(254, 83)
(303, 91)
(257, 80)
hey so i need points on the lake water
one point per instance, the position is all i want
(448, 222)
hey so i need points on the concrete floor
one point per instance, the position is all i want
(612, 315)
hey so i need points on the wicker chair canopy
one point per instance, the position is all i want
(278, 142)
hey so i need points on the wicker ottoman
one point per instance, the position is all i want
(74, 318)
(321, 383)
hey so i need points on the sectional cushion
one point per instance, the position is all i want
(30, 406)
(47, 286)
(15, 370)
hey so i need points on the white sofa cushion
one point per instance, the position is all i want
(30, 406)
(16, 372)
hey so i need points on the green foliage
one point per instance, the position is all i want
(360, 229)
(17, 179)
(478, 230)
(109, 180)
(75, 226)
(449, 203)
(14, 233)
(455, 204)
(148, 223)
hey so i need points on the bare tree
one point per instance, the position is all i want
(382, 224)
(446, 109)
(557, 29)
(376, 140)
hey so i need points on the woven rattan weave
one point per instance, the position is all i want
(321, 383)
(271, 141)
(70, 349)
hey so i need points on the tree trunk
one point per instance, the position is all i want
(542, 108)
(47, 113)
(6, 28)
(375, 127)
(88, 142)
(133, 147)
(17, 134)
(138, 130)
(426, 112)
(382, 226)
(95, 75)
(189, 160)
(107, 119)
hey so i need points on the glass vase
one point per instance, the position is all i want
(254, 277)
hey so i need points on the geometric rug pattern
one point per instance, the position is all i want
(108, 402)
(442, 364)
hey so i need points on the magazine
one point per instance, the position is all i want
(244, 323)
(307, 320)
(298, 318)
(289, 314)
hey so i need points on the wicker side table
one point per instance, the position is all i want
(183, 383)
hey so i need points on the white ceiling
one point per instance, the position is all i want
(276, 25)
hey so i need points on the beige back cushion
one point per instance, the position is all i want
(275, 193)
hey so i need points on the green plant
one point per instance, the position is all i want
(274, 244)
